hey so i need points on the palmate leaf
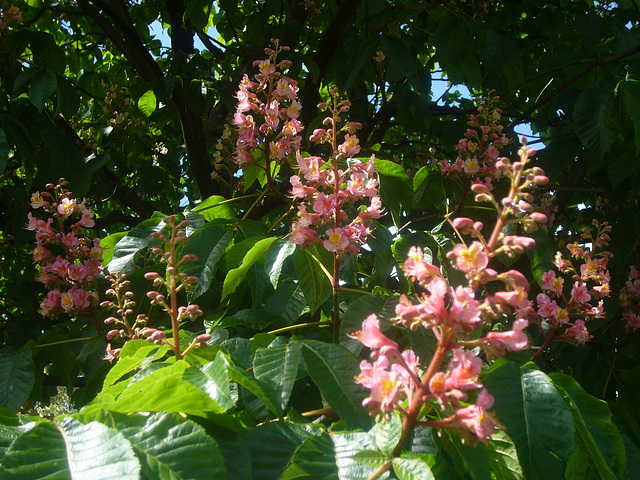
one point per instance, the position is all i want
(208, 244)
(170, 447)
(123, 259)
(70, 450)
(349, 444)
(135, 354)
(278, 366)
(312, 277)
(536, 417)
(594, 117)
(408, 468)
(264, 391)
(313, 460)
(273, 445)
(278, 253)
(17, 377)
(333, 369)
(174, 388)
(235, 276)
(600, 449)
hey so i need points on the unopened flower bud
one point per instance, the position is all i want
(151, 275)
(538, 217)
(483, 197)
(479, 188)
(541, 180)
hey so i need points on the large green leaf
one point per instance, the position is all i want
(123, 260)
(43, 85)
(208, 244)
(17, 377)
(347, 445)
(600, 450)
(213, 207)
(386, 433)
(265, 392)
(164, 389)
(594, 117)
(286, 303)
(278, 366)
(135, 354)
(408, 468)
(213, 379)
(312, 277)
(333, 369)
(536, 417)
(278, 253)
(70, 450)
(396, 190)
(313, 460)
(273, 445)
(629, 91)
(170, 447)
(147, 103)
(235, 276)
(503, 456)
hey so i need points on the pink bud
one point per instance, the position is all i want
(538, 217)
(479, 188)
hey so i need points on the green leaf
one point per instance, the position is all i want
(372, 458)
(163, 390)
(125, 250)
(629, 91)
(536, 417)
(313, 280)
(278, 253)
(43, 85)
(134, 355)
(209, 244)
(387, 433)
(396, 189)
(265, 392)
(278, 366)
(273, 445)
(147, 103)
(594, 117)
(313, 460)
(347, 445)
(504, 457)
(211, 208)
(60, 157)
(68, 451)
(333, 369)
(235, 276)
(213, 379)
(286, 303)
(108, 243)
(17, 377)
(408, 468)
(599, 449)
(170, 447)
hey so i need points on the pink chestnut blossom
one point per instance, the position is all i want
(371, 336)
(476, 419)
(337, 241)
(578, 333)
(469, 259)
(579, 293)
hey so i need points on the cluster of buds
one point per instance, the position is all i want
(273, 98)
(126, 329)
(448, 394)
(327, 188)
(561, 309)
(69, 262)
(174, 283)
(480, 148)
(629, 301)
(10, 16)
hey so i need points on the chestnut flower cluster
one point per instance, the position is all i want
(448, 393)
(273, 99)
(69, 261)
(480, 148)
(123, 304)
(566, 310)
(629, 301)
(326, 188)
(174, 283)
